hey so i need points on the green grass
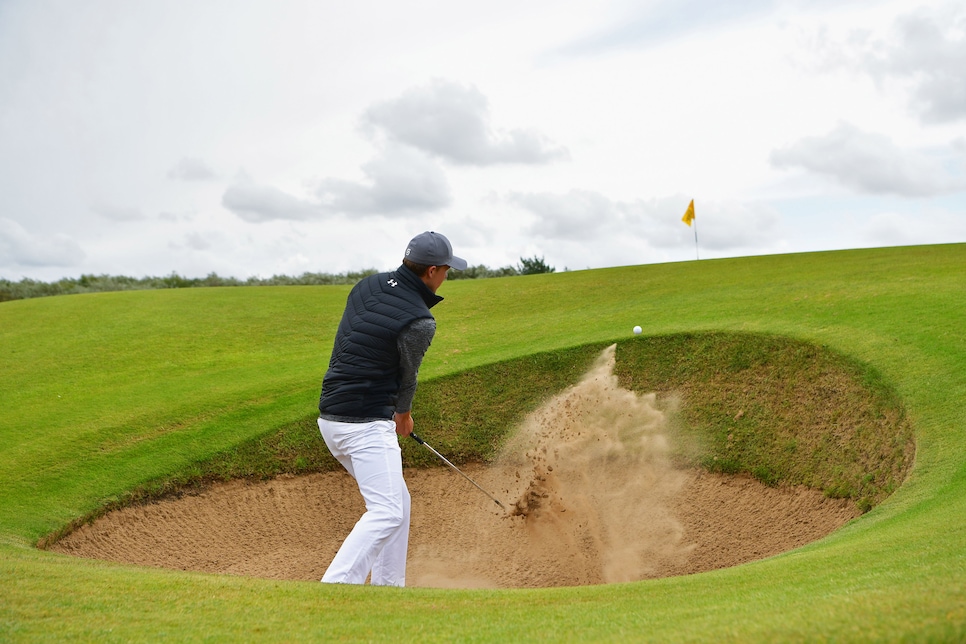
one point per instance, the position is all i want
(785, 411)
(106, 392)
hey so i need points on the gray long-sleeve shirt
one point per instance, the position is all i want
(413, 342)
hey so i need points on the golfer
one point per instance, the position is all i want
(366, 400)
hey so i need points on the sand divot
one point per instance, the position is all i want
(592, 494)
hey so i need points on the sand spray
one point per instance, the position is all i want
(593, 466)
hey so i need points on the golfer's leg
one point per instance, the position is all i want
(377, 466)
(332, 433)
(389, 569)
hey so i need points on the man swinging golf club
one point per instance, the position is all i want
(366, 401)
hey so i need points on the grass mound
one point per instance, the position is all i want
(782, 410)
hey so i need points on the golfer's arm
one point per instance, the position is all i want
(412, 343)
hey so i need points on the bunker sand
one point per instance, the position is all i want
(593, 499)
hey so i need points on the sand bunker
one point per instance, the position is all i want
(593, 498)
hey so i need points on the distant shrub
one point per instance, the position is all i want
(534, 265)
(481, 272)
(28, 288)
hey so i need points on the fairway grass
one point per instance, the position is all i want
(105, 392)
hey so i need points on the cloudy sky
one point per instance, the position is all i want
(257, 137)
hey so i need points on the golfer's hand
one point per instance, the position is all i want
(404, 423)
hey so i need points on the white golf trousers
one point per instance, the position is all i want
(380, 539)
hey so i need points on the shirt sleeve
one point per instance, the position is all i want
(413, 342)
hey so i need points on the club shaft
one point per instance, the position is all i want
(456, 469)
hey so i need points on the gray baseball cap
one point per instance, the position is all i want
(433, 249)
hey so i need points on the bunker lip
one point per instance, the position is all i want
(594, 499)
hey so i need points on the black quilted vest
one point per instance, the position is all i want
(363, 376)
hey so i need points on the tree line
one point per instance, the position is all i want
(28, 288)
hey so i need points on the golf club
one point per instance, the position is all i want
(456, 469)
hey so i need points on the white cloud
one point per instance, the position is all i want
(18, 246)
(575, 215)
(928, 47)
(118, 213)
(922, 52)
(869, 163)
(399, 180)
(191, 169)
(257, 203)
(592, 218)
(731, 227)
(452, 121)
(196, 241)
(902, 229)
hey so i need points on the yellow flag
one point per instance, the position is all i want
(689, 214)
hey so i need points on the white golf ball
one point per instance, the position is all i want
(638, 330)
